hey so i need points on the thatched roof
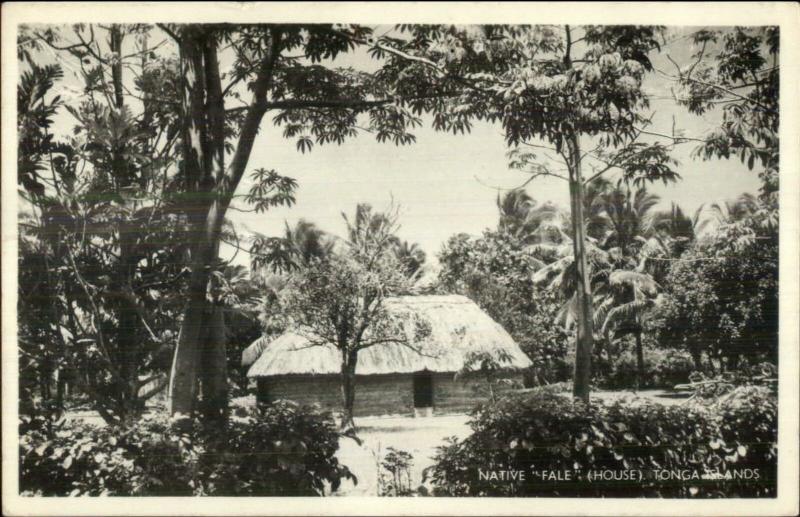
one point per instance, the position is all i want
(458, 327)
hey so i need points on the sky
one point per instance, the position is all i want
(446, 184)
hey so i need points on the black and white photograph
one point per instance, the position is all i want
(296, 252)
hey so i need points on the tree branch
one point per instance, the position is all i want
(170, 32)
(252, 121)
(95, 312)
(313, 103)
(721, 88)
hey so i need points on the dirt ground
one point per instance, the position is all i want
(417, 436)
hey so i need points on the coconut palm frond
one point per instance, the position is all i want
(639, 281)
(554, 269)
(566, 315)
(602, 310)
(545, 249)
(536, 264)
(625, 313)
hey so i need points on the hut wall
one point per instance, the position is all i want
(379, 394)
(375, 394)
(460, 395)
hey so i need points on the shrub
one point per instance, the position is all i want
(73, 458)
(394, 479)
(671, 367)
(693, 448)
(277, 450)
(281, 450)
(662, 369)
(748, 425)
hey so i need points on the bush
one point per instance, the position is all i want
(694, 449)
(73, 458)
(748, 426)
(281, 450)
(277, 450)
(672, 367)
(662, 369)
(394, 476)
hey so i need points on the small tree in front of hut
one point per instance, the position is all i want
(339, 300)
(488, 365)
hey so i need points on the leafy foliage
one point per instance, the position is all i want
(279, 450)
(72, 458)
(486, 365)
(662, 369)
(495, 271)
(394, 478)
(97, 288)
(35, 114)
(738, 69)
(337, 298)
(283, 450)
(546, 432)
(722, 297)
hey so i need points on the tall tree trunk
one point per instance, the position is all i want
(127, 338)
(214, 376)
(583, 348)
(115, 38)
(349, 361)
(210, 188)
(639, 360)
(60, 384)
(186, 361)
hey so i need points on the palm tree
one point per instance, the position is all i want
(626, 302)
(675, 223)
(300, 245)
(629, 291)
(538, 226)
(410, 256)
(371, 232)
(514, 208)
(729, 212)
(594, 210)
(307, 242)
(736, 210)
(671, 234)
(560, 276)
(629, 216)
(622, 220)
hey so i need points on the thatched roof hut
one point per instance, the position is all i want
(458, 327)
(287, 367)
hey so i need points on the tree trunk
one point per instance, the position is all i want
(128, 339)
(733, 362)
(210, 188)
(60, 384)
(186, 361)
(349, 361)
(213, 375)
(697, 357)
(115, 38)
(583, 348)
(639, 360)
(194, 150)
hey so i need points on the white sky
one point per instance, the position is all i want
(445, 184)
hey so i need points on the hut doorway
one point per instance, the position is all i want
(423, 393)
